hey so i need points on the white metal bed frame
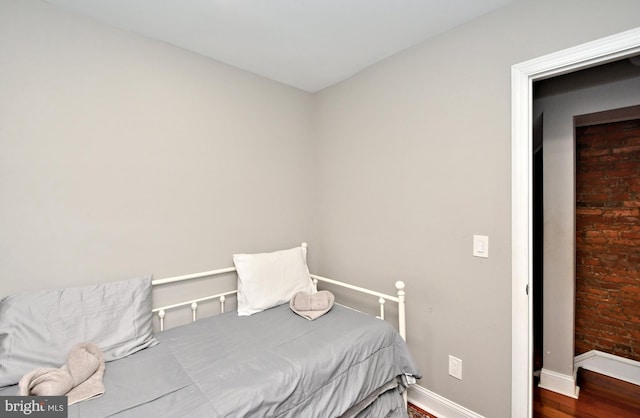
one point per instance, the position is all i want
(382, 297)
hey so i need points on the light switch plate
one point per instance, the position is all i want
(481, 246)
(455, 367)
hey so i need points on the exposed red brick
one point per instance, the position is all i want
(592, 152)
(587, 211)
(608, 239)
(629, 212)
(626, 149)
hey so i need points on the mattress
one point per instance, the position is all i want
(271, 364)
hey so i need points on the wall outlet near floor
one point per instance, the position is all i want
(455, 367)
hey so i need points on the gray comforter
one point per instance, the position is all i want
(271, 364)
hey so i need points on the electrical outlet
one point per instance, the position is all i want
(455, 367)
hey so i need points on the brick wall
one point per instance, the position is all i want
(608, 239)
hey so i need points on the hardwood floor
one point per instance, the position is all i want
(600, 397)
(415, 412)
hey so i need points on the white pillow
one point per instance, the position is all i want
(270, 279)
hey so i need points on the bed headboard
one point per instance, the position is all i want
(161, 311)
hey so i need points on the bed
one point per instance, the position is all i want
(263, 359)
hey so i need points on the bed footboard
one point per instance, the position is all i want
(382, 298)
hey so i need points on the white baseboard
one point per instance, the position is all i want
(609, 365)
(438, 405)
(559, 383)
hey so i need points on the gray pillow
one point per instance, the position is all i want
(37, 329)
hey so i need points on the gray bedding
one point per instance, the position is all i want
(271, 364)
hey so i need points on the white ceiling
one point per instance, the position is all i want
(308, 44)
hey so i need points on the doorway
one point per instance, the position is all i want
(608, 49)
(559, 99)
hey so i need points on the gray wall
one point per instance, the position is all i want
(122, 156)
(559, 204)
(414, 159)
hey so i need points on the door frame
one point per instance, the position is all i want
(523, 75)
